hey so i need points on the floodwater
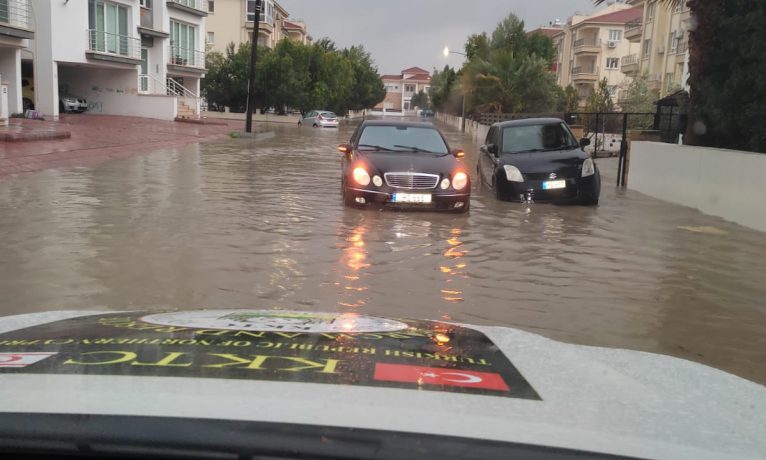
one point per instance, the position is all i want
(259, 223)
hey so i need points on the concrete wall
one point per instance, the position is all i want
(115, 92)
(724, 183)
(473, 128)
(10, 74)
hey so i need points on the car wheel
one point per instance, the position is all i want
(27, 104)
(496, 187)
(300, 123)
(315, 125)
(591, 201)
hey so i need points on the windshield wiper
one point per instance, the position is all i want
(413, 148)
(376, 148)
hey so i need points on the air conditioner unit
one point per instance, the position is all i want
(660, 50)
(612, 44)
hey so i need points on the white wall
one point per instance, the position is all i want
(10, 73)
(115, 92)
(724, 183)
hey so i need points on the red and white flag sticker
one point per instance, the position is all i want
(439, 376)
(22, 359)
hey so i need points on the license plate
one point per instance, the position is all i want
(551, 184)
(411, 198)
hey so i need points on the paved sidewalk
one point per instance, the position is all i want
(96, 138)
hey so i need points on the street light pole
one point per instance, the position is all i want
(253, 58)
(446, 53)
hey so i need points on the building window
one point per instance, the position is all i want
(650, 12)
(647, 48)
(612, 63)
(670, 80)
(211, 37)
(409, 88)
(145, 3)
(211, 6)
(267, 11)
(183, 38)
(108, 25)
(615, 35)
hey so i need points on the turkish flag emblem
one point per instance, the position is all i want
(439, 376)
(22, 359)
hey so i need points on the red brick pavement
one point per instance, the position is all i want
(96, 138)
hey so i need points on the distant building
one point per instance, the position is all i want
(232, 21)
(590, 48)
(16, 29)
(400, 89)
(662, 39)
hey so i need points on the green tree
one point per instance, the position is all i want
(444, 93)
(600, 100)
(571, 99)
(513, 74)
(367, 89)
(420, 100)
(477, 46)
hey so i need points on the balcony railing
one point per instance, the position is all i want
(15, 13)
(633, 25)
(114, 44)
(585, 70)
(147, 18)
(629, 59)
(583, 42)
(199, 5)
(682, 47)
(187, 57)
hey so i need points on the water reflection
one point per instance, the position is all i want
(454, 267)
(354, 259)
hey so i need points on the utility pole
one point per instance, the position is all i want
(253, 58)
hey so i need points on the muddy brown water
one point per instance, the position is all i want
(246, 223)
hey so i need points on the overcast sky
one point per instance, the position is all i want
(406, 33)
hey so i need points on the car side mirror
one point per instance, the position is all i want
(344, 149)
(584, 142)
(492, 148)
(459, 153)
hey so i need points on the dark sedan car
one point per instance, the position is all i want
(539, 160)
(405, 165)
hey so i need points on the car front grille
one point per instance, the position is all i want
(411, 181)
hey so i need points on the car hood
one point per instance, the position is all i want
(351, 370)
(542, 162)
(410, 162)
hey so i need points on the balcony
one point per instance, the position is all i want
(195, 7)
(186, 58)
(15, 19)
(146, 26)
(586, 74)
(681, 49)
(629, 64)
(113, 47)
(587, 46)
(634, 30)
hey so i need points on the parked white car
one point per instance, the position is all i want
(320, 119)
(69, 103)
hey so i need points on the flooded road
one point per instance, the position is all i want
(250, 224)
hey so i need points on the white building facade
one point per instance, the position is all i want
(16, 28)
(125, 57)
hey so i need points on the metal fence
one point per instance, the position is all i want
(15, 13)
(187, 57)
(119, 45)
(200, 5)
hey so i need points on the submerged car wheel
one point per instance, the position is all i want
(315, 125)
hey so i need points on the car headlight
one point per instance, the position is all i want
(588, 168)
(513, 174)
(377, 181)
(460, 180)
(445, 184)
(361, 176)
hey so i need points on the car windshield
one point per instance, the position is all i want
(535, 138)
(402, 139)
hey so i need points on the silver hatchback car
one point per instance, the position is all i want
(320, 119)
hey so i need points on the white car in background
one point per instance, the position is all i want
(319, 119)
(69, 103)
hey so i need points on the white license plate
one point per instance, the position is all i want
(551, 184)
(411, 198)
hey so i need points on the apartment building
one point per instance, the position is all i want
(124, 57)
(232, 21)
(661, 34)
(589, 49)
(15, 33)
(401, 87)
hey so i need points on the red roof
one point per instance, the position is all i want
(547, 31)
(620, 17)
(392, 77)
(420, 77)
(291, 25)
(416, 70)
